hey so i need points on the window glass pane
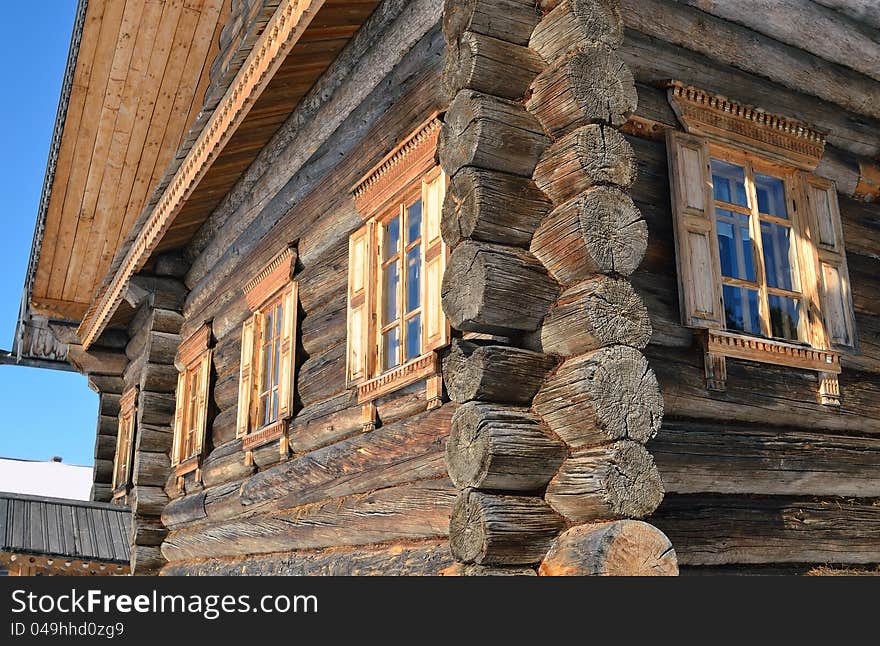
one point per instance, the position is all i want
(414, 337)
(267, 369)
(390, 281)
(777, 243)
(741, 309)
(274, 406)
(784, 317)
(771, 195)
(729, 181)
(735, 245)
(414, 222)
(390, 347)
(413, 273)
(391, 239)
(279, 317)
(277, 367)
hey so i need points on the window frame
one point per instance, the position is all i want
(122, 470)
(753, 163)
(194, 365)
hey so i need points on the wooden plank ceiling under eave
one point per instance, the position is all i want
(140, 78)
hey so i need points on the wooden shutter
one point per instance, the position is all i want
(696, 246)
(179, 417)
(361, 250)
(288, 352)
(435, 325)
(832, 275)
(201, 411)
(246, 375)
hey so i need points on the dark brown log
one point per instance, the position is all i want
(717, 457)
(591, 155)
(160, 378)
(492, 207)
(495, 289)
(573, 23)
(155, 408)
(594, 313)
(157, 439)
(607, 482)
(185, 510)
(415, 511)
(489, 529)
(603, 396)
(600, 232)
(223, 429)
(589, 85)
(411, 449)
(148, 532)
(146, 560)
(726, 530)
(488, 65)
(326, 422)
(620, 548)
(148, 501)
(510, 20)
(225, 464)
(150, 468)
(490, 133)
(96, 361)
(462, 569)
(425, 558)
(493, 446)
(494, 373)
(103, 470)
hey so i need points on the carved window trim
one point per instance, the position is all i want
(122, 461)
(272, 288)
(408, 173)
(193, 363)
(718, 128)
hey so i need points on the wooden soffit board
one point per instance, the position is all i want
(139, 81)
(298, 44)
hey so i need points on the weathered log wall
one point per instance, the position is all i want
(762, 475)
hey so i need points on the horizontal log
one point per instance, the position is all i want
(493, 446)
(488, 65)
(148, 501)
(475, 371)
(490, 133)
(425, 558)
(601, 231)
(586, 85)
(413, 511)
(728, 530)
(146, 560)
(607, 395)
(754, 53)
(495, 289)
(150, 468)
(160, 378)
(148, 532)
(185, 510)
(591, 155)
(326, 422)
(96, 361)
(489, 529)
(619, 548)
(594, 313)
(103, 470)
(491, 207)
(573, 23)
(157, 439)
(463, 569)
(225, 464)
(510, 20)
(608, 482)
(411, 449)
(156, 409)
(858, 10)
(718, 457)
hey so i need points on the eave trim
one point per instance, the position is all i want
(283, 31)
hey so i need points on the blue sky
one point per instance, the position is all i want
(44, 412)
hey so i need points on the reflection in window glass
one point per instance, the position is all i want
(413, 337)
(391, 347)
(391, 238)
(413, 270)
(784, 317)
(729, 182)
(777, 243)
(741, 309)
(771, 195)
(413, 222)
(390, 280)
(735, 245)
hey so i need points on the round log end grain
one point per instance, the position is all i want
(619, 548)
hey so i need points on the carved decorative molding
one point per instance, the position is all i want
(719, 346)
(287, 24)
(264, 435)
(192, 349)
(411, 159)
(428, 365)
(271, 278)
(717, 117)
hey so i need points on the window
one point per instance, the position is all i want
(124, 443)
(396, 264)
(190, 418)
(268, 349)
(759, 242)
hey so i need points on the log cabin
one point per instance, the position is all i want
(473, 287)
